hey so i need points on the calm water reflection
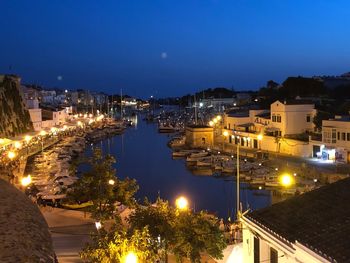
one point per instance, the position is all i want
(142, 153)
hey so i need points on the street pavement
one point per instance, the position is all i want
(70, 231)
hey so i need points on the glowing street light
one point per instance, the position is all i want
(18, 145)
(225, 133)
(286, 180)
(42, 133)
(215, 121)
(27, 138)
(26, 181)
(260, 137)
(218, 117)
(111, 182)
(181, 203)
(98, 225)
(211, 123)
(11, 155)
(131, 257)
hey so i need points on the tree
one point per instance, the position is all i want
(195, 234)
(102, 188)
(115, 246)
(159, 219)
(183, 233)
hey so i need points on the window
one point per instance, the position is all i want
(256, 250)
(348, 136)
(308, 118)
(278, 118)
(338, 135)
(273, 118)
(334, 140)
(343, 136)
(273, 255)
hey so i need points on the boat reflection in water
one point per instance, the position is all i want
(142, 153)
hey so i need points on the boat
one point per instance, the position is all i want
(228, 170)
(162, 128)
(257, 180)
(199, 154)
(182, 153)
(195, 159)
(203, 164)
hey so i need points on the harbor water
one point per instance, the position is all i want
(142, 153)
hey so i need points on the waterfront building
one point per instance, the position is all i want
(199, 136)
(281, 129)
(336, 139)
(36, 118)
(57, 116)
(291, 117)
(312, 227)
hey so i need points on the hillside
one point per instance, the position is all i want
(14, 117)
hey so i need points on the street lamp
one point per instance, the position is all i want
(18, 145)
(181, 203)
(111, 182)
(98, 225)
(27, 138)
(225, 133)
(260, 137)
(131, 257)
(11, 155)
(42, 134)
(211, 123)
(286, 180)
(26, 180)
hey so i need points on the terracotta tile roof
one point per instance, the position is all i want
(320, 220)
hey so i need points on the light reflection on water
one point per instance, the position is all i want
(142, 153)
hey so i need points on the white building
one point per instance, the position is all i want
(336, 139)
(310, 228)
(291, 117)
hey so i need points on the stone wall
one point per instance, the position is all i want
(199, 136)
(24, 234)
(14, 116)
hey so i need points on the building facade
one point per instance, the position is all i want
(308, 228)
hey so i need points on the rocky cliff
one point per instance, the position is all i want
(14, 117)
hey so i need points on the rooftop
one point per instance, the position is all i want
(296, 102)
(266, 115)
(239, 114)
(320, 220)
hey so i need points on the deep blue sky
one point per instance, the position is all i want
(172, 47)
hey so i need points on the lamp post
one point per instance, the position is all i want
(286, 180)
(181, 203)
(225, 134)
(237, 182)
(26, 180)
(27, 138)
(260, 137)
(131, 257)
(42, 134)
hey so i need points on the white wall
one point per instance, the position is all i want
(271, 144)
(293, 117)
(36, 118)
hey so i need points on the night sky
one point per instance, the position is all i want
(172, 47)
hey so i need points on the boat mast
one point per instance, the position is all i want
(195, 109)
(237, 182)
(121, 104)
